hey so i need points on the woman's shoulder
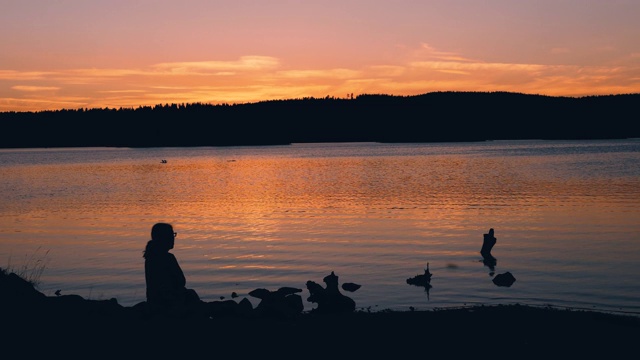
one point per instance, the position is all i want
(160, 256)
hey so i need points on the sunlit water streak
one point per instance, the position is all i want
(566, 215)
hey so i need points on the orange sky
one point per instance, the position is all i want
(124, 53)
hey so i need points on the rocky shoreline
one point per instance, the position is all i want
(33, 323)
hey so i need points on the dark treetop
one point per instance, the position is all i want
(431, 117)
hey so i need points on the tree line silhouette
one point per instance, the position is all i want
(430, 117)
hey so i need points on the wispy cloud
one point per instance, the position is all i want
(256, 78)
(122, 91)
(27, 104)
(311, 74)
(106, 72)
(24, 75)
(244, 63)
(35, 88)
(427, 52)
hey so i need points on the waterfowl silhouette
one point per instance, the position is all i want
(421, 279)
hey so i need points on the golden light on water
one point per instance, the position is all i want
(279, 216)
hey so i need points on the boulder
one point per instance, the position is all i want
(504, 279)
(329, 298)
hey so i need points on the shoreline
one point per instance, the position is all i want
(513, 330)
(37, 324)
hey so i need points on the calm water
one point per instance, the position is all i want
(566, 215)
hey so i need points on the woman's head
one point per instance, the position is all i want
(163, 235)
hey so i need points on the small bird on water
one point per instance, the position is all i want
(421, 279)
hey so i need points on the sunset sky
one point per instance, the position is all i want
(58, 54)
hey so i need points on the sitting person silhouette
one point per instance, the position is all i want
(166, 285)
(167, 293)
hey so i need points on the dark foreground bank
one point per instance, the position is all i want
(485, 332)
(73, 326)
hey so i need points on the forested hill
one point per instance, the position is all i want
(431, 117)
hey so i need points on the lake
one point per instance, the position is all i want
(566, 216)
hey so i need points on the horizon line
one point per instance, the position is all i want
(327, 97)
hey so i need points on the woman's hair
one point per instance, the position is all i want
(161, 233)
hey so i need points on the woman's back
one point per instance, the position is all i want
(165, 279)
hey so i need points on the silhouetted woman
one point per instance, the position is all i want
(166, 285)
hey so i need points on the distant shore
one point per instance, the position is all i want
(430, 117)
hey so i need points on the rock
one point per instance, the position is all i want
(505, 279)
(17, 290)
(351, 287)
(329, 299)
(283, 302)
(228, 308)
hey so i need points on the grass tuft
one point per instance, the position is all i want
(31, 268)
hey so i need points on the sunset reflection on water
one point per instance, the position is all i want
(376, 214)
